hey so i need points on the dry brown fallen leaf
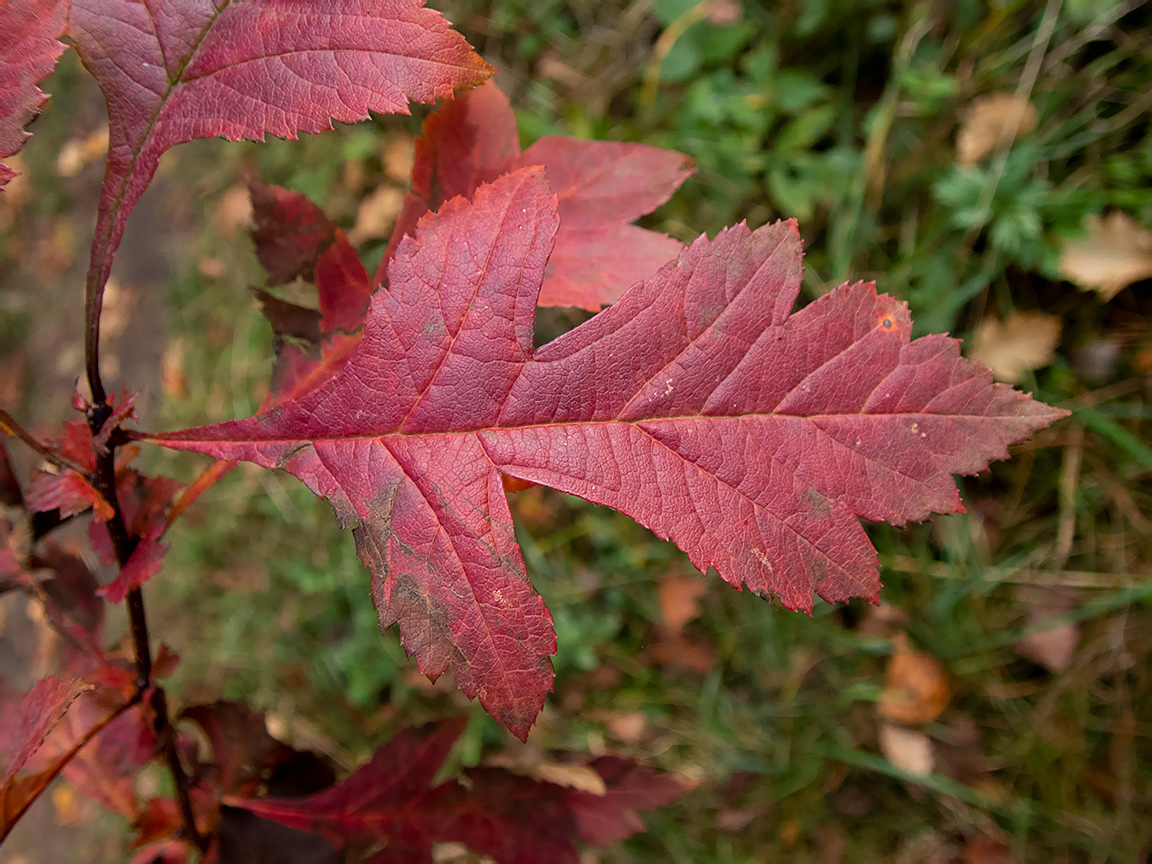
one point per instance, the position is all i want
(398, 156)
(1114, 252)
(530, 760)
(680, 595)
(172, 380)
(234, 210)
(679, 652)
(915, 689)
(907, 749)
(680, 600)
(987, 850)
(377, 215)
(724, 13)
(880, 622)
(628, 727)
(1026, 341)
(991, 121)
(1052, 647)
(79, 152)
(16, 194)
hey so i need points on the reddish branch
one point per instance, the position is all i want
(104, 479)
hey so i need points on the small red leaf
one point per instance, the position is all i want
(144, 503)
(41, 734)
(31, 49)
(294, 239)
(290, 233)
(70, 599)
(177, 70)
(37, 714)
(607, 819)
(121, 411)
(67, 492)
(754, 439)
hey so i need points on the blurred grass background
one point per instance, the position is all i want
(844, 114)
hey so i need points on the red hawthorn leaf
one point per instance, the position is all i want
(145, 562)
(601, 185)
(507, 816)
(294, 239)
(39, 711)
(31, 49)
(464, 143)
(30, 733)
(105, 768)
(144, 503)
(290, 233)
(176, 70)
(70, 492)
(70, 598)
(165, 661)
(697, 405)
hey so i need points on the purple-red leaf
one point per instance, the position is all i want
(754, 439)
(144, 502)
(25, 727)
(242, 749)
(176, 70)
(37, 714)
(70, 599)
(43, 734)
(31, 49)
(380, 800)
(294, 239)
(68, 491)
(513, 819)
(601, 186)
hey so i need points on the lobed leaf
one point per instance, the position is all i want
(601, 185)
(753, 438)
